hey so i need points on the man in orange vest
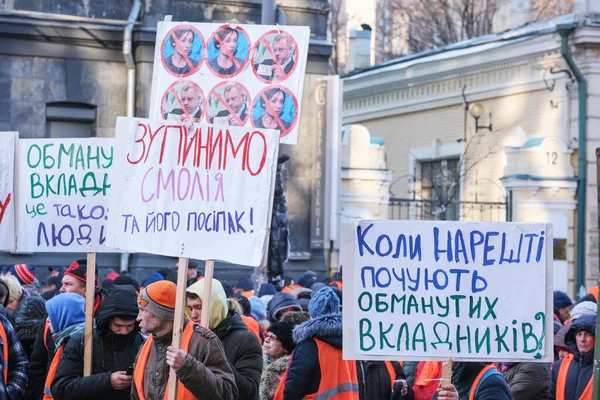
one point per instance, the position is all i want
(200, 364)
(13, 368)
(242, 348)
(66, 314)
(573, 376)
(73, 281)
(317, 369)
(475, 381)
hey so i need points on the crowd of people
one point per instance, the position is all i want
(265, 345)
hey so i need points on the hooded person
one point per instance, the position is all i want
(242, 347)
(116, 341)
(317, 366)
(4, 299)
(74, 282)
(583, 308)
(280, 304)
(573, 376)
(29, 317)
(200, 364)
(66, 314)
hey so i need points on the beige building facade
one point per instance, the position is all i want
(523, 148)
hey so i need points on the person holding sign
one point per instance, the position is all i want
(573, 376)
(242, 347)
(116, 340)
(475, 381)
(317, 365)
(200, 364)
(282, 64)
(190, 109)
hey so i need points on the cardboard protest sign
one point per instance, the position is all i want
(194, 191)
(437, 290)
(63, 194)
(8, 142)
(234, 75)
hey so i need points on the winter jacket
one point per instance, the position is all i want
(205, 372)
(492, 388)
(111, 352)
(41, 357)
(271, 377)
(529, 380)
(17, 365)
(244, 354)
(410, 371)
(242, 348)
(374, 381)
(28, 316)
(581, 369)
(304, 372)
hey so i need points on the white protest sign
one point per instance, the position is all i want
(437, 290)
(234, 75)
(194, 191)
(8, 142)
(63, 194)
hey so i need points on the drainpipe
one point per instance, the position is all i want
(130, 62)
(564, 31)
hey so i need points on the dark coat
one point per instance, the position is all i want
(40, 360)
(244, 354)
(581, 369)
(28, 317)
(374, 381)
(304, 372)
(529, 380)
(492, 388)
(111, 352)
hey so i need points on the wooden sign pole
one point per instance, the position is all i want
(209, 269)
(178, 321)
(90, 296)
(446, 372)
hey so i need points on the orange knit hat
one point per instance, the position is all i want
(159, 299)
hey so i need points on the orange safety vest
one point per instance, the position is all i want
(140, 366)
(338, 377)
(52, 372)
(288, 289)
(4, 353)
(477, 380)
(252, 325)
(46, 329)
(561, 381)
(391, 372)
(338, 283)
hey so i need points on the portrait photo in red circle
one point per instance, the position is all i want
(182, 50)
(183, 101)
(274, 56)
(229, 104)
(228, 51)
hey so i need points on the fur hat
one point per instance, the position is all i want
(24, 273)
(283, 330)
(159, 299)
(324, 302)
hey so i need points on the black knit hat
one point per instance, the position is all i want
(78, 270)
(283, 330)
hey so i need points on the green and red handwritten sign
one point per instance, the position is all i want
(8, 142)
(63, 192)
(439, 290)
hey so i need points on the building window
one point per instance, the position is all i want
(70, 120)
(440, 185)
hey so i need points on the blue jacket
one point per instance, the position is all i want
(492, 388)
(581, 369)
